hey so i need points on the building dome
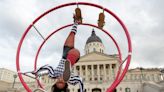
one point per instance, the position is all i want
(94, 44)
(93, 38)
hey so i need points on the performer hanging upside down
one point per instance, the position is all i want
(63, 72)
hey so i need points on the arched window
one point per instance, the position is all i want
(96, 90)
(127, 89)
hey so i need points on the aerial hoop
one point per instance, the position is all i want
(119, 76)
(85, 24)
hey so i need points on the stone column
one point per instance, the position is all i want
(113, 71)
(92, 72)
(104, 71)
(1, 78)
(86, 72)
(98, 72)
(110, 72)
(74, 70)
(80, 67)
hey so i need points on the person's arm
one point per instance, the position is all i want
(45, 70)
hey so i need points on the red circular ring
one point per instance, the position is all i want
(40, 47)
(69, 4)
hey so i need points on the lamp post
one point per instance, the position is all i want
(141, 79)
(14, 76)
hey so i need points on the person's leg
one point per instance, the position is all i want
(69, 43)
(72, 57)
(68, 46)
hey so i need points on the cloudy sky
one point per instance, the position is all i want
(143, 18)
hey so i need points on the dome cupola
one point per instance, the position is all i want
(94, 44)
(93, 38)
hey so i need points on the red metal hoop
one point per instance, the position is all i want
(86, 24)
(116, 82)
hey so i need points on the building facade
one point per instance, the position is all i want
(99, 70)
(9, 81)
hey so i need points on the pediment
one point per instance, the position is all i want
(95, 56)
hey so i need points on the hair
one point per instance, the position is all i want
(54, 88)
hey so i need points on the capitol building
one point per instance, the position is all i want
(98, 71)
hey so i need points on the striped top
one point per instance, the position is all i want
(58, 72)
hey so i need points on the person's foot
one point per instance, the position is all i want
(77, 19)
(67, 71)
(74, 27)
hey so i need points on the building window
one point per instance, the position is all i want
(127, 90)
(131, 76)
(89, 67)
(107, 69)
(83, 67)
(77, 67)
(95, 66)
(88, 50)
(94, 49)
(135, 77)
(120, 88)
(96, 79)
(113, 66)
(84, 73)
(96, 90)
(107, 78)
(101, 78)
(107, 66)
(148, 78)
(83, 79)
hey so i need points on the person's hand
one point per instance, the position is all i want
(33, 72)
